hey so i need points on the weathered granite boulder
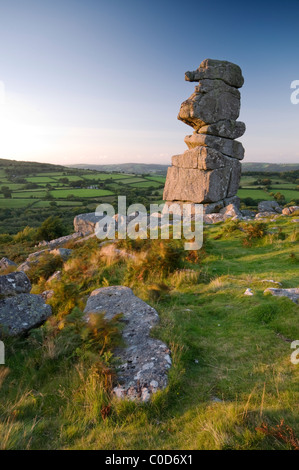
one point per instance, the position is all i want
(213, 208)
(210, 171)
(229, 129)
(60, 241)
(14, 284)
(85, 223)
(203, 158)
(47, 294)
(217, 69)
(286, 211)
(22, 312)
(64, 253)
(6, 263)
(248, 214)
(248, 292)
(292, 294)
(19, 310)
(229, 147)
(213, 218)
(55, 277)
(194, 185)
(184, 184)
(212, 101)
(24, 267)
(145, 361)
(35, 258)
(269, 206)
(266, 215)
(231, 211)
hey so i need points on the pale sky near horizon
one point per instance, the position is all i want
(102, 82)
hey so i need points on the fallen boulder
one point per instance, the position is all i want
(6, 263)
(13, 284)
(144, 361)
(231, 212)
(20, 313)
(213, 218)
(292, 294)
(60, 241)
(269, 206)
(287, 210)
(55, 277)
(85, 223)
(64, 253)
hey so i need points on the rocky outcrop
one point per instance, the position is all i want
(64, 253)
(144, 361)
(85, 223)
(292, 294)
(19, 310)
(60, 241)
(290, 210)
(269, 206)
(6, 263)
(210, 171)
(55, 277)
(35, 258)
(14, 284)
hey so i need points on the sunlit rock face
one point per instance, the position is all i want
(210, 170)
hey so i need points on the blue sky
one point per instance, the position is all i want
(102, 82)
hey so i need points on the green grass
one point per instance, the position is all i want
(30, 193)
(63, 193)
(69, 177)
(225, 347)
(105, 176)
(254, 194)
(59, 203)
(15, 203)
(160, 179)
(40, 179)
(146, 184)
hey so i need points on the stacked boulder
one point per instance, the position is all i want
(19, 310)
(209, 171)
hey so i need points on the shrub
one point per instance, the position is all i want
(51, 228)
(5, 238)
(26, 235)
(45, 267)
(253, 231)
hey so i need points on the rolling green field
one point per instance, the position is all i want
(33, 186)
(88, 184)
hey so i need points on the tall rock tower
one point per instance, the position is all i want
(209, 171)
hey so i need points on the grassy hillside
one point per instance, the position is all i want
(232, 384)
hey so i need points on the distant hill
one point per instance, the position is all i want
(143, 168)
(139, 168)
(19, 168)
(269, 167)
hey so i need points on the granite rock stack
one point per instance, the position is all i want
(209, 171)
